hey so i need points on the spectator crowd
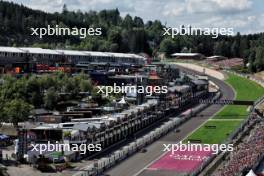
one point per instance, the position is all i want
(245, 155)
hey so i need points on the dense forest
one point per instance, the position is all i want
(18, 96)
(120, 34)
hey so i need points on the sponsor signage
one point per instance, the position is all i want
(224, 102)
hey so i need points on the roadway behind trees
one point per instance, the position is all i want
(213, 73)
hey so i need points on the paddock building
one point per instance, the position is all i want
(26, 59)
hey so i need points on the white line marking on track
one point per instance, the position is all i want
(225, 119)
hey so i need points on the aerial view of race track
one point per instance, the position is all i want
(131, 88)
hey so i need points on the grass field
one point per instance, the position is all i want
(213, 136)
(245, 90)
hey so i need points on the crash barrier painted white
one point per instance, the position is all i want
(102, 164)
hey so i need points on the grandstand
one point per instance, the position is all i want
(246, 155)
(228, 63)
(192, 56)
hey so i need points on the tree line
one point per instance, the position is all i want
(121, 34)
(18, 96)
(249, 47)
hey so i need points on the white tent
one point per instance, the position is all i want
(74, 133)
(251, 173)
(122, 101)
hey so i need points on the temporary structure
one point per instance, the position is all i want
(122, 101)
(251, 173)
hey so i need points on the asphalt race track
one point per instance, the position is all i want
(138, 163)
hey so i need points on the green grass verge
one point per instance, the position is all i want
(55, 154)
(245, 90)
(216, 135)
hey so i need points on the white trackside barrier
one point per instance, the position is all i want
(90, 169)
(161, 130)
(145, 140)
(98, 165)
(101, 163)
(166, 129)
(158, 132)
(126, 149)
(117, 155)
(170, 125)
(139, 142)
(112, 160)
(152, 135)
(148, 138)
(123, 154)
(87, 173)
(105, 162)
(132, 147)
